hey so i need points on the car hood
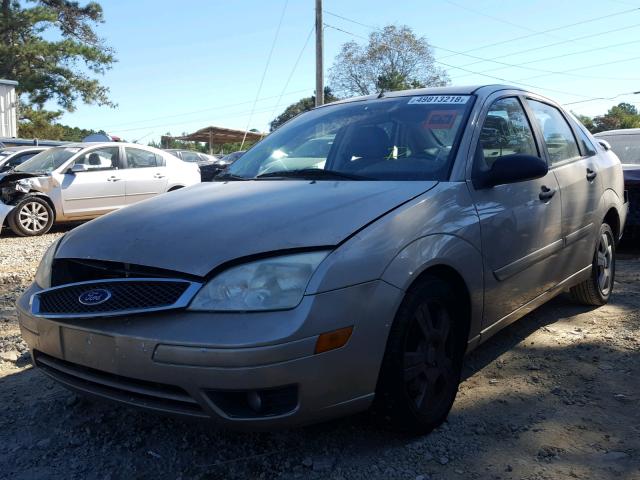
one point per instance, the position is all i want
(197, 229)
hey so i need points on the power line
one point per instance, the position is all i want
(567, 72)
(564, 55)
(603, 98)
(501, 79)
(542, 47)
(295, 66)
(497, 19)
(220, 107)
(555, 29)
(264, 73)
(481, 59)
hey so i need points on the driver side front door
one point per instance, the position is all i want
(520, 223)
(98, 190)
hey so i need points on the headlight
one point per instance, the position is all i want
(43, 274)
(271, 284)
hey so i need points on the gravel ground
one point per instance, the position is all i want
(555, 395)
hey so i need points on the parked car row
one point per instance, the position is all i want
(11, 157)
(210, 165)
(360, 251)
(85, 180)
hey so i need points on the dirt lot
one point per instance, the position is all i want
(556, 395)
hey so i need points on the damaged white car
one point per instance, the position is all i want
(85, 180)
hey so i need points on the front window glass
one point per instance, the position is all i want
(505, 131)
(561, 144)
(100, 159)
(402, 138)
(18, 159)
(587, 146)
(626, 147)
(48, 161)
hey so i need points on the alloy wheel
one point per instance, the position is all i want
(604, 260)
(429, 373)
(33, 217)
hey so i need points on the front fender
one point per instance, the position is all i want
(442, 250)
(4, 211)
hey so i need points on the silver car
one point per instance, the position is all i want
(312, 283)
(82, 181)
(11, 157)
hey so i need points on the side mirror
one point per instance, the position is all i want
(78, 167)
(512, 169)
(606, 145)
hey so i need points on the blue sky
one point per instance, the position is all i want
(186, 65)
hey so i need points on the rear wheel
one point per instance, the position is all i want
(30, 217)
(421, 369)
(597, 289)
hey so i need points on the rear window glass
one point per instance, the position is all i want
(626, 147)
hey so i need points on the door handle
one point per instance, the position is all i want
(591, 174)
(158, 175)
(112, 179)
(546, 193)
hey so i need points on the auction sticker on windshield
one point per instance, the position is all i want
(440, 100)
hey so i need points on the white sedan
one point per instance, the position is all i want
(85, 180)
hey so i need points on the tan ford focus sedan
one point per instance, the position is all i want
(348, 260)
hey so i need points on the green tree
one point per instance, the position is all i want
(40, 123)
(51, 48)
(586, 121)
(393, 59)
(623, 115)
(302, 105)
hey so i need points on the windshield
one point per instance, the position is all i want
(626, 147)
(402, 138)
(48, 161)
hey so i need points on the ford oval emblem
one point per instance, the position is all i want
(94, 297)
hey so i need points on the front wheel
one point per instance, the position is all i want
(421, 369)
(597, 289)
(30, 217)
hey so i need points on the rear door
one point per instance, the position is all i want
(520, 223)
(145, 175)
(98, 190)
(573, 161)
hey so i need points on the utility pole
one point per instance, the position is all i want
(319, 55)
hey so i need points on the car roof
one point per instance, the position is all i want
(20, 149)
(622, 131)
(104, 144)
(450, 90)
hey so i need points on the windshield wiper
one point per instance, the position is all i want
(229, 176)
(313, 174)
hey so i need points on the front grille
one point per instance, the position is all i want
(74, 270)
(142, 393)
(115, 297)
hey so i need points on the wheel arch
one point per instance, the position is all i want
(35, 193)
(613, 212)
(612, 218)
(452, 259)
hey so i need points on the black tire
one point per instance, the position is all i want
(422, 364)
(596, 291)
(30, 217)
